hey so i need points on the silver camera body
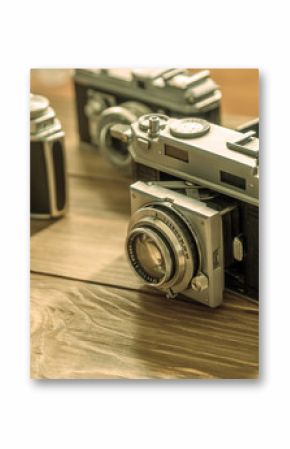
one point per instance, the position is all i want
(106, 97)
(48, 179)
(196, 231)
(175, 243)
(212, 156)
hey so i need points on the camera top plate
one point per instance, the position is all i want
(175, 90)
(215, 157)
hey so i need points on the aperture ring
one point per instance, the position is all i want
(177, 237)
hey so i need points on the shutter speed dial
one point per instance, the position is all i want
(189, 128)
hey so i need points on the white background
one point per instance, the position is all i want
(199, 414)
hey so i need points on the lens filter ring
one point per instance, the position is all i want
(178, 238)
(150, 255)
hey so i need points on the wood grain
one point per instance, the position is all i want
(90, 316)
(82, 331)
(88, 243)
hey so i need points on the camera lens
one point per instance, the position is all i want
(118, 146)
(150, 255)
(161, 248)
(115, 151)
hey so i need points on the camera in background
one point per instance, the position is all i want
(48, 179)
(105, 97)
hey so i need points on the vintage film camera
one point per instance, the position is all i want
(105, 97)
(48, 183)
(195, 230)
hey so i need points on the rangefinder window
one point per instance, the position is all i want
(176, 153)
(233, 180)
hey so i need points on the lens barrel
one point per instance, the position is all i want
(114, 150)
(161, 247)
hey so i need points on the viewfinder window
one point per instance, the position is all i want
(176, 153)
(233, 180)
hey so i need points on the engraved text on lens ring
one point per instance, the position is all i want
(177, 234)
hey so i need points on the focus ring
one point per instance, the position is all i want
(164, 249)
(178, 237)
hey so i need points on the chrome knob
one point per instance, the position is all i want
(199, 283)
(154, 125)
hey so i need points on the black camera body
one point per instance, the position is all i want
(48, 178)
(105, 97)
(197, 185)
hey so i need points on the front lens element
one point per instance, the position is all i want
(161, 247)
(150, 256)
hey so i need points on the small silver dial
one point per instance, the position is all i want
(189, 127)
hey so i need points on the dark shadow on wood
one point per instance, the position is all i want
(38, 225)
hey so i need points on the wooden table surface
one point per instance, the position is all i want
(90, 316)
